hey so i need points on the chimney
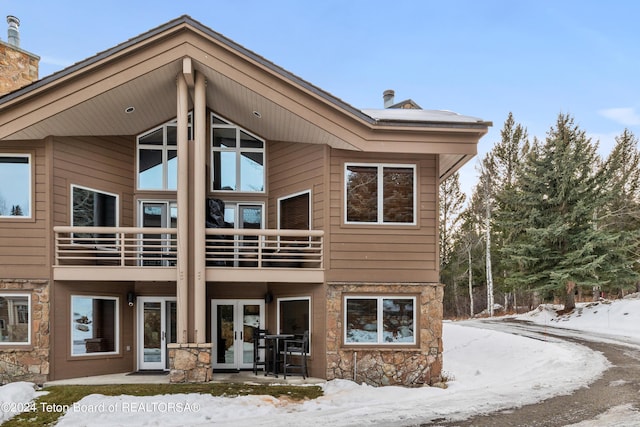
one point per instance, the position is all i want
(388, 96)
(14, 34)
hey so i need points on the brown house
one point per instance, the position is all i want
(161, 199)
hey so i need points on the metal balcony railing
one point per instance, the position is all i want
(157, 247)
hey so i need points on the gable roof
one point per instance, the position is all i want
(90, 98)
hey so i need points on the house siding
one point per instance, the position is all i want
(24, 253)
(384, 253)
(103, 164)
(294, 168)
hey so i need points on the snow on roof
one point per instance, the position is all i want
(426, 116)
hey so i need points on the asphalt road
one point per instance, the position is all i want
(619, 385)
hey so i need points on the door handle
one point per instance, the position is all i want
(163, 335)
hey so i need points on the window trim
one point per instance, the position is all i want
(380, 320)
(300, 298)
(116, 327)
(30, 185)
(380, 202)
(238, 150)
(4, 294)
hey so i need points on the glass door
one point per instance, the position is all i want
(156, 328)
(157, 246)
(232, 329)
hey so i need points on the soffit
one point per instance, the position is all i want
(292, 115)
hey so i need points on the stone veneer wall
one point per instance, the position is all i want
(18, 68)
(387, 366)
(28, 362)
(190, 363)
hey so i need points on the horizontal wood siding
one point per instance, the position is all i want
(294, 168)
(100, 163)
(384, 253)
(24, 253)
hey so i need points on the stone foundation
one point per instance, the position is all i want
(29, 362)
(382, 366)
(190, 363)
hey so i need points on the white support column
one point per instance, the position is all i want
(182, 284)
(199, 206)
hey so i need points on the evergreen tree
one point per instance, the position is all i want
(620, 216)
(555, 241)
(16, 210)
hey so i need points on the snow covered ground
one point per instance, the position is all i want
(487, 370)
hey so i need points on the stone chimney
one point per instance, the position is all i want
(18, 68)
(388, 97)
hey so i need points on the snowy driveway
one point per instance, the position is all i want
(612, 400)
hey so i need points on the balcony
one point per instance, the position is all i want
(232, 255)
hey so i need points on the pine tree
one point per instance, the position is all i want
(620, 216)
(16, 210)
(555, 241)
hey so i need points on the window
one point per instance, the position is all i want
(15, 312)
(295, 212)
(380, 320)
(237, 158)
(158, 157)
(93, 208)
(94, 325)
(159, 248)
(380, 194)
(244, 215)
(294, 315)
(15, 186)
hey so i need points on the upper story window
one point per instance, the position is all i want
(380, 193)
(93, 208)
(15, 186)
(237, 158)
(158, 157)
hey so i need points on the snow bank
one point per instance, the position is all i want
(15, 398)
(620, 317)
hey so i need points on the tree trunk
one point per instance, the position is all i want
(470, 283)
(570, 299)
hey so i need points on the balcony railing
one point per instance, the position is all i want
(229, 247)
(157, 247)
(115, 246)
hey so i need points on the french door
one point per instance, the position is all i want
(156, 328)
(232, 323)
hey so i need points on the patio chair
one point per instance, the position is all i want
(259, 343)
(295, 356)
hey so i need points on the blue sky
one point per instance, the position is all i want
(483, 58)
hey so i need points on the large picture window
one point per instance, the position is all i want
(380, 320)
(380, 194)
(158, 157)
(93, 208)
(15, 186)
(237, 158)
(94, 325)
(15, 315)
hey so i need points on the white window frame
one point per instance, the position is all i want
(236, 213)
(380, 203)
(13, 316)
(29, 184)
(238, 150)
(117, 197)
(116, 326)
(380, 320)
(165, 153)
(301, 298)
